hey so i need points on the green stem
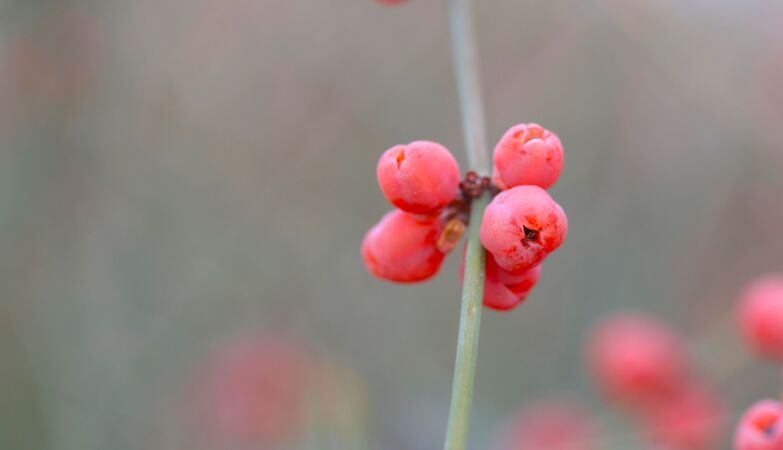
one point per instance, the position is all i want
(468, 340)
(466, 70)
(472, 112)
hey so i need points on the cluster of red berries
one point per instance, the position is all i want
(520, 227)
(642, 366)
(761, 323)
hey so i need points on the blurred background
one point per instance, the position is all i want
(184, 186)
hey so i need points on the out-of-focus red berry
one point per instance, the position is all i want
(420, 178)
(527, 154)
(403, 248)
(253, 392)
(636, 359)
(522, 226)
(553, 426)
(690, 419)
(761, 427)
(504, 290)
(761, 316)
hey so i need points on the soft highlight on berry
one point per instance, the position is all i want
(420, 178)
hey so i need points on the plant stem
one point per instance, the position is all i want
(466, 69)
(472, 112)
(468, 339)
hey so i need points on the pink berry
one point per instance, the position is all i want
(497, 296)
(500, 297)
(527, 154)
(524, 282)
(504, 290)
(637, 360)
(513, 277)
(552, 426)
(522, 226)
(761, 427)
(761, 316)
(420, 178)
(690, 419)
(402, 248)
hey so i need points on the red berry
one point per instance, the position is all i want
(761, 316)
(691, 419)
(524, 281)
(420, 178)
(512, 277)
(527, 154)
(636, 359)
(553, 426)
(522, 226)
(761, 427)
(500, 297)
(504, 290)
(402, 248)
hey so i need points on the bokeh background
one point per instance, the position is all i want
(176, 175)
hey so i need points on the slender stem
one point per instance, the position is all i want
(468, 340)
(466, 69)
(472, 111)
